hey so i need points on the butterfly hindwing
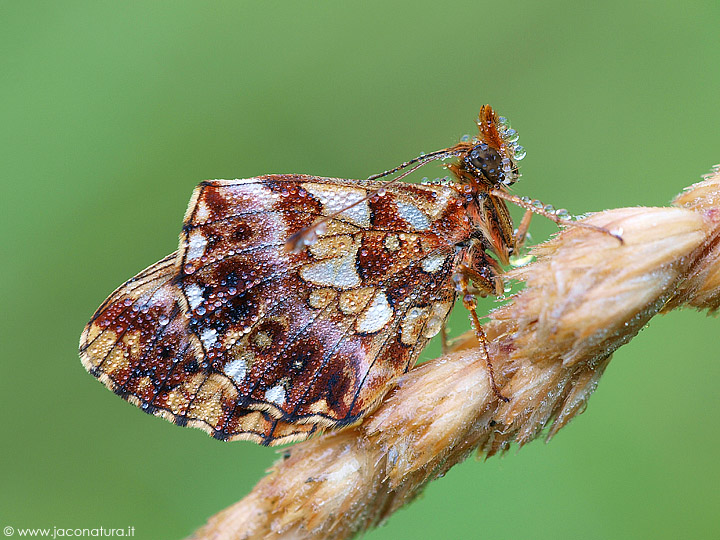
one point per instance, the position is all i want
(247, 339)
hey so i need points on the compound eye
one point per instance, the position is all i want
(488, 162)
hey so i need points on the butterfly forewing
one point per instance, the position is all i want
(247, 339)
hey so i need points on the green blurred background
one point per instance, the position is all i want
(112, 112)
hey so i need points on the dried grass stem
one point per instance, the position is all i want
(584, 297)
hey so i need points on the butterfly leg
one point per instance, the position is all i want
(444, 339)
(482, 286)
(522, 230)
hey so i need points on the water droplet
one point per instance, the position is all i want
(537, 204)
(163, 320)
(465, 138)
(519, 152)
(432, 326)
(381, 192)
(525, 200)
(502, 121)
(392, 455)
(562, 213)
(516, 261)
(511, 136)
(549, 208)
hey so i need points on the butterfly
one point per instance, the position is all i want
(295, 302)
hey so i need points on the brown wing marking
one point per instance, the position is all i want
(99, 342)
(310, 359)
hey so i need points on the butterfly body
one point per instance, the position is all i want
(246, 339)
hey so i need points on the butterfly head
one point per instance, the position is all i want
(490, 160)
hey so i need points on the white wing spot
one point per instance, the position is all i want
(236, 370)
(196, 245)
(413, 215)
(433, 263)
(337, 272)
(248, 193)
(376, 315)
(194, 295)
(336, 198)
(202, 212)
(209, 337)
(392, 242)
(276, 395)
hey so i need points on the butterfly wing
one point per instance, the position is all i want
(239, 336)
